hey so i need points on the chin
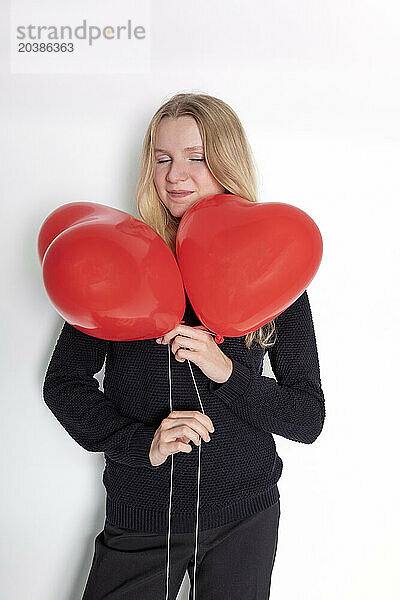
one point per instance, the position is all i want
(178, 212)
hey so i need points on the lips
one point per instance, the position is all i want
(179, 194)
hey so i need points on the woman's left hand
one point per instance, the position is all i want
(197, 345)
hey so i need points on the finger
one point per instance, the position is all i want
(185, 343)
(184, 438)
(204, 419)
(167, 337)
(184, 330)
(191, 428)
(173, 447)
(182, 354)
(194, 437)
(203, 328)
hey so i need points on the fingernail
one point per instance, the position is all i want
(212, 430)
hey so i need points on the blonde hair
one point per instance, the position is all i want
(227, 155)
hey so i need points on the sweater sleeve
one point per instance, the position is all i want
(293, 405)
(72, 393)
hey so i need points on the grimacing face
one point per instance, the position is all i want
(181, 175)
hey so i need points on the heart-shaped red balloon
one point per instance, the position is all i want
(243, 263)
(109, 274)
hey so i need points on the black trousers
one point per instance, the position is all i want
(233, 562)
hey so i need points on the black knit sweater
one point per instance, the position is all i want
(239, 466)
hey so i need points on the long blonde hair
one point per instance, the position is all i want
(227, 155)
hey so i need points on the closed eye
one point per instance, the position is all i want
(194, 159)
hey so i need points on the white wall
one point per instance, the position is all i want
(316, 85)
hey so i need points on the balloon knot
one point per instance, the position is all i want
(219, 338)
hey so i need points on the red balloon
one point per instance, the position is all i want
(243, 263)
(109, 274)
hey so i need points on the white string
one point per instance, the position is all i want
(198, 487)
(198, 480)
(172, 470)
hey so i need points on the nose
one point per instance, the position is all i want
(176, 172)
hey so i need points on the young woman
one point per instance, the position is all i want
(153, 406)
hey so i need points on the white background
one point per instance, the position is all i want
(316, 86)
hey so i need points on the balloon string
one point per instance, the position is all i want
(171, 480)
(198, 488)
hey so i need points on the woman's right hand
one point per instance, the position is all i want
(176, 431)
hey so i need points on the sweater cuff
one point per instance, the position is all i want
(235, 386)
(139, 446)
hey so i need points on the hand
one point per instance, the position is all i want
(198, 345)
(176, 431)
